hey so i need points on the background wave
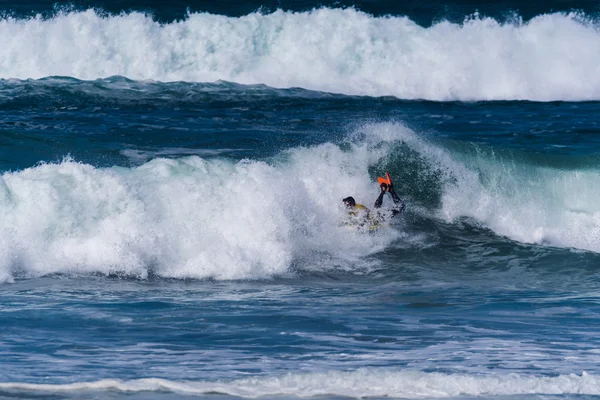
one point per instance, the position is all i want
(550, 57)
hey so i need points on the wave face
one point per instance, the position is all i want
(192, 217)
(527, 203)
(550, 57)
(527, 198)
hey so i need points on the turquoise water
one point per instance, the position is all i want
(171, 223)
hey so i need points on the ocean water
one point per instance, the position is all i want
(171, 177)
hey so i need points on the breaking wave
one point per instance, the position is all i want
(550, 57)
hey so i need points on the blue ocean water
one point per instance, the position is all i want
(171, 223)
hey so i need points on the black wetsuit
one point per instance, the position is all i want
(398, 203)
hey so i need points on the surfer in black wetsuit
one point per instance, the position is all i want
(398, 203)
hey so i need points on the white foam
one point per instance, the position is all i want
(551, 57)
(356, 384)
(188, 217)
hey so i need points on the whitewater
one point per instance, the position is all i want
(362, 383)
(194, 217)
(550, 57)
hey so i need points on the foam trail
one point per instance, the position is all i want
(333, 50)
(355, 384)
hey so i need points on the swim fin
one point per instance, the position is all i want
(387, 180)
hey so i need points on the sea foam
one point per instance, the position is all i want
(188, 217)
(355, 384)
(551, 57)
